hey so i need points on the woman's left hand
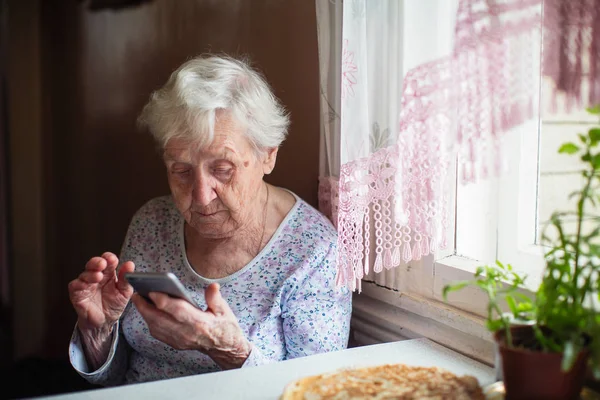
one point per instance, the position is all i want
(179, 324)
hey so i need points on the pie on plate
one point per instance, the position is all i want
(393, 381)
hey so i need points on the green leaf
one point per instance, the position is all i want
(494, 325)
(582, 137)
(524, 298)
(594, 135)
(453, 287)
(482, 284)
(512, 304)
(568, 148)
(596, 161)
(525, 310)
(595, 110)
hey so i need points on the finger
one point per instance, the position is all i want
(91, 276)
(112, 261)
(215, 302)
(149, 312)
(177, 308)
(145, 307)
(160, 300)
(96, 264)
(142, 305)
(122, 284)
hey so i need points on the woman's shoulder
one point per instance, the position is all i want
(306, 247)
(157, 211)
(159, 204)
(307, 222)
(153, 234)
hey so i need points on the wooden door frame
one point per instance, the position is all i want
(25, 167)
(6, 353)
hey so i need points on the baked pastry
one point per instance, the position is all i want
(395, 381)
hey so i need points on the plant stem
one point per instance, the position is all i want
(580, 207)
(506, 325)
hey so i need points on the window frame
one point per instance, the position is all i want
(508, 236)
(512, 202)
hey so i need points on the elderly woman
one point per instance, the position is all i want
(258, 260)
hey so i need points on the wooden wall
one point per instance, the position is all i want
(93, 168)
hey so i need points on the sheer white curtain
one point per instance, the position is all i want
(408, 88)
(363, 62)
(418, 86)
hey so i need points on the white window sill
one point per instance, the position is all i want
(383, 315)
(471, 299)
(416, 307)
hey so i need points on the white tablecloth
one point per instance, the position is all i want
(267, 382)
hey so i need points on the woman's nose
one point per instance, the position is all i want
(203, 192)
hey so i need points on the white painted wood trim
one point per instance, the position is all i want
(383, 315)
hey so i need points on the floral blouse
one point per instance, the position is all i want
(285, 299)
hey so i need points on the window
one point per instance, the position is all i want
(504, 218)
(560, 175)
(496, 218)
(499, 218)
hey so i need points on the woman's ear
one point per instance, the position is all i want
(269, 160)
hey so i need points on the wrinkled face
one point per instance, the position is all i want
(217, 188)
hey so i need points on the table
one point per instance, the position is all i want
(268, 381)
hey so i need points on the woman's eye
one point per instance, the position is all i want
(181, 171)
(222, 171)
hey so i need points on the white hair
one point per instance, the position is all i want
(187, 105)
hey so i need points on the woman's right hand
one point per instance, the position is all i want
(99, 297)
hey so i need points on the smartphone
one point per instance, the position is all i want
(164, 282)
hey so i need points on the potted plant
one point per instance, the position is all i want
(548, 338)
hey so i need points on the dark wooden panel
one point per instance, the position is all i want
(6, 348)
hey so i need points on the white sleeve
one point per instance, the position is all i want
(112, 372)
(256, 358)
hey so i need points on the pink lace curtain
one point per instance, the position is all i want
(572, 51)
(380, 189)
(407, 88)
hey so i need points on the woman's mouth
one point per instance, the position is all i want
(210, 214)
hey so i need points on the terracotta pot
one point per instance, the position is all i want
(531, 375)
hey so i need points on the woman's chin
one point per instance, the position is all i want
(212, 230)
(199, 220)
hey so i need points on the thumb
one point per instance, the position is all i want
(215, 302)
(122, 284)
